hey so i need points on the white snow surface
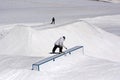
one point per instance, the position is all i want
(40, 11)
(26, 37)
(109, 23)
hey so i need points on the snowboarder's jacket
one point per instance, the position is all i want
(60, 41)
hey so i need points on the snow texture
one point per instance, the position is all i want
(26, 36)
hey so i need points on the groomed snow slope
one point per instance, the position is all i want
(19, 43)
(27, 41)
(70, 67)
(31, 11)
(109, 23)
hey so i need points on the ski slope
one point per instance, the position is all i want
(109, 23)
(26, 36)
(83, 67)
(101, 53)
(39, 42)
(39, 11)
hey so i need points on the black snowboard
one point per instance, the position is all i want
(55, 53)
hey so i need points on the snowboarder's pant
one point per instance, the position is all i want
(57, 46)
(53, 22)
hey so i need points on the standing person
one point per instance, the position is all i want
(53, 21)
(59, 44)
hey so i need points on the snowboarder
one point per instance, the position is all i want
(53, 21)
(59, 44)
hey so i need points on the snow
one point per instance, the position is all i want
(26, 36)
(103, 22)
(32, 11)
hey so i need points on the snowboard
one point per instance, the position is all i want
(55, 53)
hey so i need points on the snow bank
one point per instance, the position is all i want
(109, 23)
(83, 67)
(16, 41)
(27, 41)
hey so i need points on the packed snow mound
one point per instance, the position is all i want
(15, 42)
(29, 41)
(109, 23)
(83, 67)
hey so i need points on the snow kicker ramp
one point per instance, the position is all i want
(27, 41)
